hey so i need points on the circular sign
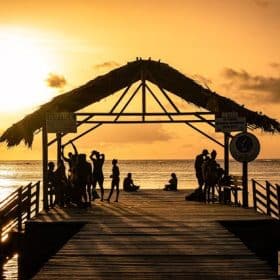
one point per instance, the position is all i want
(244, 147)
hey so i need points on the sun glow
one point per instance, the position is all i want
(24, 66)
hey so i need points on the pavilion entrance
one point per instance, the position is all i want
(119, 115)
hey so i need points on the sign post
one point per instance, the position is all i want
(55, 122)
(61, 122)
(245, 147)
(226, 123)
(229, 121)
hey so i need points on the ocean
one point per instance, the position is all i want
(149, 174)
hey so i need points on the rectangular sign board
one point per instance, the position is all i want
(230, 124)
(61, 122)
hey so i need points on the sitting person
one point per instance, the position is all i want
(173, 182)
(128, 185)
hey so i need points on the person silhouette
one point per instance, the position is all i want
(61, 183)
(211, 176)
(128, 185)
(115, 180)
(198, 168)
(97, 174)
(82, 179)
(51, 181)
(173, 182)
(71, 159)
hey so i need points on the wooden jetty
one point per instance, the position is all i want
(154, 234)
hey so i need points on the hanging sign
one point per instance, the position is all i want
(244, 147)
(229, 121)
(61, 122)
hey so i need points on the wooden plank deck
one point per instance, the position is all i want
(154, 234)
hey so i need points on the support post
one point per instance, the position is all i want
(58, 137)
(45, 166)
(245, 183)
(226, 153)
(278, 199)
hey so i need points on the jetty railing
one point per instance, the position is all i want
(266, 198)
(18, 207)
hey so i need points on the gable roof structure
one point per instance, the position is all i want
(161, 74)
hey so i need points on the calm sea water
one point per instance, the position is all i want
(146, 173)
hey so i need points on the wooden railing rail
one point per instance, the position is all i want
(18, 207)
(266, 198)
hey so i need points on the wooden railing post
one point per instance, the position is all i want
(1, 226)
(268, 207)
(278, 199)
(1, 247)
(37, 197)
(19, 209)
(254, 194)
(29, 201)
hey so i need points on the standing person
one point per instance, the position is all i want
(51, 181)
(71, 160)
(97, 175)
(82, 178)
(211, 176)
(115, 180)
(198, 168)
(60, 184)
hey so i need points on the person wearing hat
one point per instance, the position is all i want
(198, 167)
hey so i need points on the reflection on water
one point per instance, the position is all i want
(9, 271)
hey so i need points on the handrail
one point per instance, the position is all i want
(266, 198)
(18, 207)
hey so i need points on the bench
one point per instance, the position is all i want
(229, 189)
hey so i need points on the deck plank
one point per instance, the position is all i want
(154, 235)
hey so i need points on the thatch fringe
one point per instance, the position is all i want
(158, 73)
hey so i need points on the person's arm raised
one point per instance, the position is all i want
(74, 147)
(63, 156)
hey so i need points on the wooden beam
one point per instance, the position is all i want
(129, 100)
(45, 166)
(145, 121)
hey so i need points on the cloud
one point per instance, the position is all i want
(56, 81)
(268, 86)
(107, 64)
(275, 65)
(262, 3)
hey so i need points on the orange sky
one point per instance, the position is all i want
(49, 47)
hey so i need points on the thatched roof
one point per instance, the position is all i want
(158, 73)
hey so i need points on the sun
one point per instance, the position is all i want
(24, 66)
